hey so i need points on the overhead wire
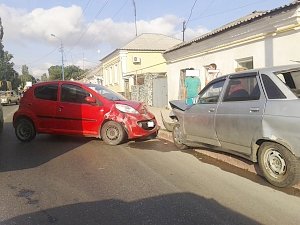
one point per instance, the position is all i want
(88, 27)
(46, 55)
(115, 14)
(227, 11)
(191, 12)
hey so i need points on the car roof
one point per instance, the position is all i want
(273, 69)
(56, 82)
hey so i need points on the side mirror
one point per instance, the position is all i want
(90, 100)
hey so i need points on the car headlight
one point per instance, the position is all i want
(126, 109)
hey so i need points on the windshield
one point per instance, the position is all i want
(106, 93)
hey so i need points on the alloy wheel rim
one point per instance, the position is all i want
(112, 133)
(25, 132)
(274, 163)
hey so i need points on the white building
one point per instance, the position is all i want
(94, 75)
(261, 39)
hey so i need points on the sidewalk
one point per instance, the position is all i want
(230, 159)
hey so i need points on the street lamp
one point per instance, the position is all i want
(62, 56)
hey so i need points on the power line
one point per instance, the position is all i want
(115, 14)
(119, 10)
(98, 13)
(227, 11)
(184, 24)
(191, 12)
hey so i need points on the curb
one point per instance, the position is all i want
(233, 160)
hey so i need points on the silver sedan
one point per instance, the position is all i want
(253, 114)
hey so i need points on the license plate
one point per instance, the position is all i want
(150, 124)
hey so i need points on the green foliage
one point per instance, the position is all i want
(25, 70)
(44, 77)
(70, 72)
(7, 72)
(26, 77)
(55, 73)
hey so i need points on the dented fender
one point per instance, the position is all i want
(130, 122)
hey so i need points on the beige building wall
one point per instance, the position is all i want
(112, 74)
(142, 62)
(128, 64)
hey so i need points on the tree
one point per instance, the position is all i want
(70, 72)
(26, 77)
(25, 70)
(7, 72)
(54, 73)
(44, 77)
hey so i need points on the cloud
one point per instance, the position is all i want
(38, 24)
(32, 30)
(67, 24)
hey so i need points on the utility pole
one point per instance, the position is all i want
(134, 17)
(62, 56)
(183, 29)
(83, 60)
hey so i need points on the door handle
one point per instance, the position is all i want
(60, 108)
(254, 109)
(211, 110)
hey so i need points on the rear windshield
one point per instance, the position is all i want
(292, 80)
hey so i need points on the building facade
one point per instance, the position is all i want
(127, 70)
(260, 39)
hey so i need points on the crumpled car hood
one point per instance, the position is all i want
(179, 104)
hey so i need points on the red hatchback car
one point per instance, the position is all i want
(71, 108)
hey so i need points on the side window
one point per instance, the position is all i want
(242, 89)
(273, 92)
(46, 92)
(73, 93)
(212, 93)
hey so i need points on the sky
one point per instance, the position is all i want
(88, 30)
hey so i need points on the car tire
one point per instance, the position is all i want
(279, 166)
(25, 130)
(113, 133)
(1, 126)
(177, 137)
(9, 102)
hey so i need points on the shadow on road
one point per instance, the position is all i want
(175, 209)
(16, 155)
(156, 145)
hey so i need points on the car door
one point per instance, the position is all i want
(43, 106)
(239, 115)
(75, 115)
(199, 119)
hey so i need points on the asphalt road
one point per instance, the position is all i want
(82, 181)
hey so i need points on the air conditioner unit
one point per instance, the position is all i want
(136, 59)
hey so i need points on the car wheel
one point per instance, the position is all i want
(25, 130)
(9, 102)
(279, 166)
(177, 137)
(113, 133)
